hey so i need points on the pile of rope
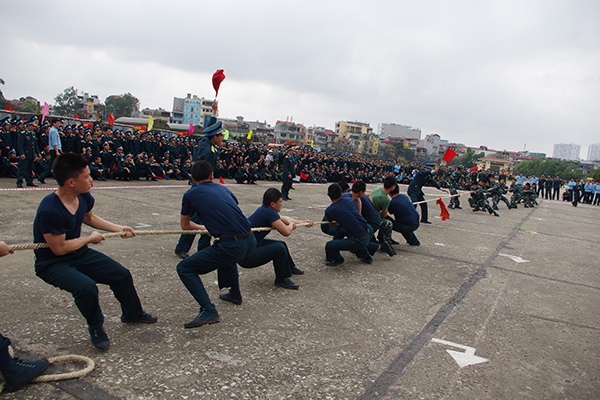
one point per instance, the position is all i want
(72, 358)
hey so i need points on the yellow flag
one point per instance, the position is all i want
(226, 135)
(150, 123)
(311, 143)
(249, 135)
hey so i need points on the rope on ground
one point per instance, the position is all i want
(89, 367)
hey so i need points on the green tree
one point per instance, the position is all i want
(67, 103)
(29, 106)
(404, 153)
(470, 158)
(595, 174)
(123, 105)
(552, 167)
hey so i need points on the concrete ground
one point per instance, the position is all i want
(521, 291)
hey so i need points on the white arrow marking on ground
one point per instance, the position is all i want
(462, 359)
(142, 225)
(514, 258)
(439, 244)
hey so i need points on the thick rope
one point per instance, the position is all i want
(34, 246)
(89, 367)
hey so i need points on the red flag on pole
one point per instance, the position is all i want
(7, 108)
(449, 155)
(111, 119)
(76, 116)
(221, 181)
(473, 169)
(217, 79)
(444, 211)
(303, 175)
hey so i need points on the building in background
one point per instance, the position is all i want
(594, 152)
(288, 131)
(399, 131)
(566, 151)
(191, 110)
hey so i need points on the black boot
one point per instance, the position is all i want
(17, 373)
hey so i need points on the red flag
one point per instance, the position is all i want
(353, 180)
(111, 119)
(76, 116)
(444, 212)
(473, 169)
(7, 108)
(449, 155)
(221, 181)
(303, 175)
(217, 79)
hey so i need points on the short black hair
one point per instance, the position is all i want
(395, 190)
(344, 185)
(201, 170)
(334, 191)
(359, 186)
(67, 166)
(389, 181)
(272, 195)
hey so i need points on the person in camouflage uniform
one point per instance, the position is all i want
(496, 191)
(478, 199)
(454, 183)
(529, 196)
(517, 193)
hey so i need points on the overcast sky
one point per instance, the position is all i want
(506, 74)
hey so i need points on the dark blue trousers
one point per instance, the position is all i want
(271, 250)
(419, 196)
(408, 231)
(25, 170)
(221, 256)
(4, 342)
(185, 241)
(354, 244)
(79, 272)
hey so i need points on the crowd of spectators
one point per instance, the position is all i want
(131, 155)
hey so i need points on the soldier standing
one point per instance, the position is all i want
(28, 151)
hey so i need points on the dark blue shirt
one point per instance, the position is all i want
(345, 213)
(262, 217)
(54, 218)
(403, 210)
(217, 207)
(368, 208)
(421, 179)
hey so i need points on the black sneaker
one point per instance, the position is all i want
(203, 318)
(286, 283)
(31, 184)
(20, 185)
(392, 241)
(20, 373)
(181, 254)
(386, 248)
(366, 260)
(297, 271)
(99, 338)
(145, 318)
(333, 263)
(230, 298)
